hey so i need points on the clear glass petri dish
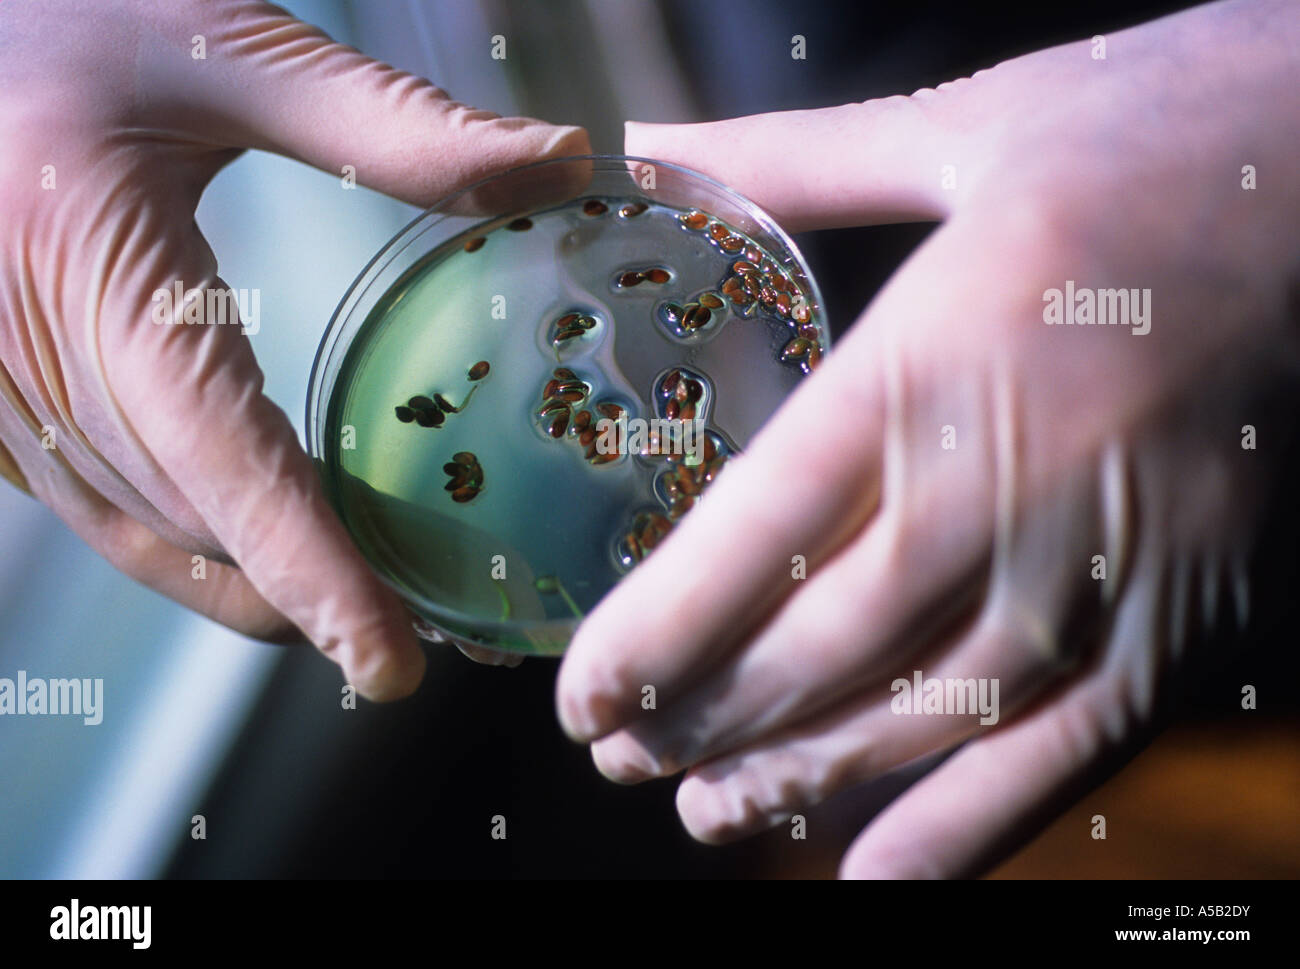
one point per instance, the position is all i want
(529, 386)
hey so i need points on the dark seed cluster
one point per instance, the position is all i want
(755, 281)
(569, 326)
(562, 412)
(466, 476)
(433, 411)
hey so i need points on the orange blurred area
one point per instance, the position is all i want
(1206, 800)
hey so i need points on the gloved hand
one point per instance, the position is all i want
(955, 466)
(163, 444)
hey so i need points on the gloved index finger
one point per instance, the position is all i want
(857, 164)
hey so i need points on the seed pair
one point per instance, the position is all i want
(571, 325)
(466, 476)
(635, 277)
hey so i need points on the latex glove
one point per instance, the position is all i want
(1070, 442)
(164, 444)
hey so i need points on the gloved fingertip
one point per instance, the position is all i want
(566, 140)
(387, 673)
(702, 811)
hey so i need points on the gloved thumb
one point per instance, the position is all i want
(892, 160)
(272, 82)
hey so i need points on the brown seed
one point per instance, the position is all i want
(567, 320)
(479, 370)
(558, 425)
(768, 296)
(795, 348)
(586, 436)
(465, 458)
(688, 411)
(695, 221)
(694, 390)
(594, 207)
(695, 316)
(711, 301)
(520, 225)
(783, 304)
(769, 267)
(419, 402)
(475, 244)
(550, 390)
(629, 279)
(571, 385)
(669, 383)
(657, 275)
(731, 286)
(718, 232)
(632, 209)
(671, 313)
(752, 285)
(462, 495)
(710, 449)
(742, 266)
(754, 254)
(429, 418)
(681, 506)
(731, 244)
(564, 373)
(808, 331)
(568, 334)
(552, 407)
(612, 411)
(451, 467)
(814, 356)
(633, 546)
(571, 396)
(444, 404)
(672, 410)
(582, 419)
(404, 413)
(459, 480)
(671, 488)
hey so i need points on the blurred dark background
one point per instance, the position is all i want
(408, 790)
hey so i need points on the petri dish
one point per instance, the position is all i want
(527, 389)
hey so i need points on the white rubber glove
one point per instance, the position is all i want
(1071, 441)
(164, 443)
